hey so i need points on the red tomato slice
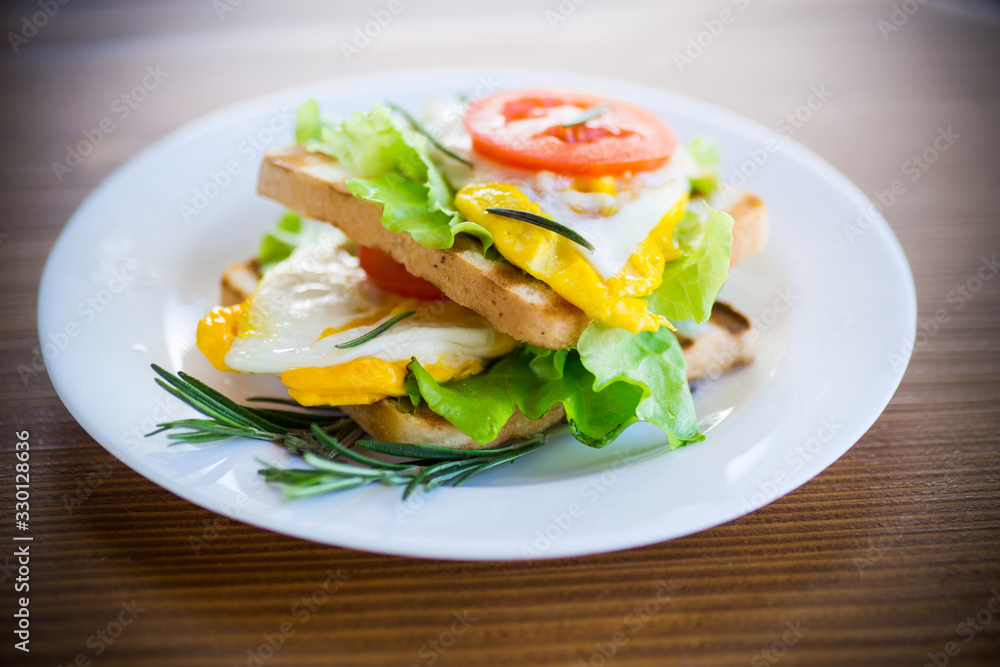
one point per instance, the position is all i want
(524, 128)
(391, 276)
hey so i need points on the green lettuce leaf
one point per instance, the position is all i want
(308, 124)
(548, 364)
(404, 209)
(285, 236)
(479, 406)
(395, 170)
(706, 154)
(691, 283)
(651, 361)
(613, 380)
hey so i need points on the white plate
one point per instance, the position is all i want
(134, 270)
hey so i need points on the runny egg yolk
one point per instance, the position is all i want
(561, 264)
(218, 330)
(602, 184)
(364, 381)
(643, 272)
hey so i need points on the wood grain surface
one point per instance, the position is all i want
(890, 557)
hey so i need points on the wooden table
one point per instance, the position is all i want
(878, 561)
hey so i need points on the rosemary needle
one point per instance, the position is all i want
(589, 114)
(374, 332)
(420, 128)
(544, 223)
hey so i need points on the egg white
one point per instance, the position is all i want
(321, 286)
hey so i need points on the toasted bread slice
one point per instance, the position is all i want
(749, 220)
(386, 421)
(724, 342)
(516, 303)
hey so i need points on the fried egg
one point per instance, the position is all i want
(629, 219)
(320, 298)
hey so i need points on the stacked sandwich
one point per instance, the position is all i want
(492, 269)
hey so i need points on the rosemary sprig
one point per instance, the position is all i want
(422, 130)
(429, 452)
(376, 331)
(589, 114)
(328, 444)
(544, 223)
(325, 409)
(228, 419)
(325, 475)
